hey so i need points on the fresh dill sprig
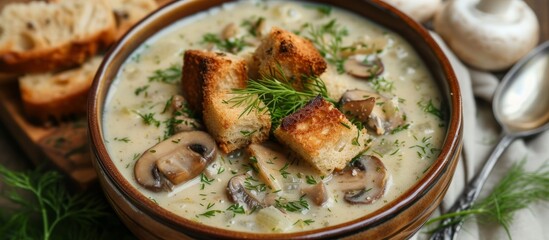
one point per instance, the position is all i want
(328, 39)
(277, 96)
(168, 75)
(44, 209)
(517, 190)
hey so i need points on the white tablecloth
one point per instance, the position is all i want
(481, 133)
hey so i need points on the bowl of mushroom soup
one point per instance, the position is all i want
(275, 120)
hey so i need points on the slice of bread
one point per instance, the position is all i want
(54, 96)
(321, 135)
(294, 56)
(129, 12)
(40, 36)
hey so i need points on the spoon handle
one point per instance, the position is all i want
(471, 192)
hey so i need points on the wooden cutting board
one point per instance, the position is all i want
(63, 146)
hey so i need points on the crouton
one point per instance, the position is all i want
(284, 53)
(217, 72)
(321, 135)
(230, 128)
(208, 80)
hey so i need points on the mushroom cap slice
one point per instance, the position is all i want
(269, 161)
(240, 194)
(363, 66)
(359, 109)
(317, 193)
(175, 160)
(380, 113)
(365, 181)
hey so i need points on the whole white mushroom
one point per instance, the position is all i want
(488, 34)
(419, 10)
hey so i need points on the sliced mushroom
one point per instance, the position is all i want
(240, 194)
(364, 66)
(183, 119)
(317, 193)
(269, 163)
(185, 124)
(178, 102)
(365, 181)
(380, 113)
(229, 31)
(366, 46)
(175, 160)
(359, 109)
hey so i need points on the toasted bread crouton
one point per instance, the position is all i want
(230, 128)
(294, 56)
(321, 135)
(54, 96)
(217, 72)
(208, 80)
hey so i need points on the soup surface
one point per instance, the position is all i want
(136, 116)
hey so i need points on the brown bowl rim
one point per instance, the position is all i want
(440, 165)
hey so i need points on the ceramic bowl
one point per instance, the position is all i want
(397, 219)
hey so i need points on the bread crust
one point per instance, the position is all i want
(52, 56)
(294, 56)
(55, 96)
(210, 71)
(320, 134)
(61, 57)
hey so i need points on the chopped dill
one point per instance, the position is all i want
(124, 139)
(304, 221)
(170, 75)
(283, 171)
(167, 105)
(292, 206)
(205, 180)
(141, 89)
(253, 184)
(232, 45)
(252, 24)
(400, 128)
(149, 119)
(310, 180)
(324, 10)
(210, 213)
(236, 209)
(328, 39)
(429, 107)
(381, 84)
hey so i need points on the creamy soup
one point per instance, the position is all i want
(137, 116)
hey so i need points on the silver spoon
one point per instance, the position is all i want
(521, 107)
